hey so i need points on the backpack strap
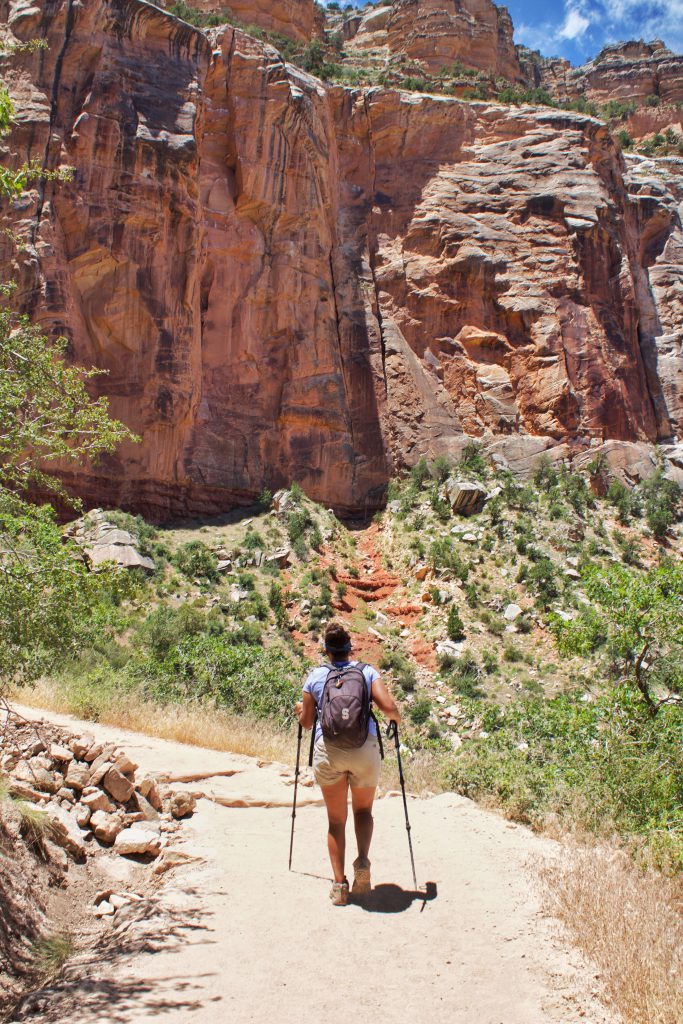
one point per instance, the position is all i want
(362, 666)
(315, 720)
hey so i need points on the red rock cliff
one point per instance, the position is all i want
(287, 281)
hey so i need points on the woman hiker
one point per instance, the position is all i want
(338, 767)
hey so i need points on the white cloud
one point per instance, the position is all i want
(575, 25)
(589, 24)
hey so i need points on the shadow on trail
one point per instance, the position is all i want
(100, 984)
(392, 899)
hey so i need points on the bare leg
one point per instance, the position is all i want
(361, 801)
(336, 800)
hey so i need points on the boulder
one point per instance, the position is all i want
(145, 808)
(466, 498)
(123, 555)
(182, 804)
(65, 831)
(137, 840)
(60, 753)
(118, 786)
(83, 816)
(97, 801)
(148, 788)
(37, 777)
(77, 776)
(512, 612)
(125, 764)
(80, 745)
(105, 826)
(281, 557)
(450, 647)
(97, 774)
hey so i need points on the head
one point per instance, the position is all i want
(337, 641)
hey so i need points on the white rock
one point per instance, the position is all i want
(103, 909)
(512, 612)
(137, 841)
(117, 900)
(450, 647)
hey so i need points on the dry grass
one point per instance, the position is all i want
(630, 924)
(215, 729)
(206, 727)
(421, 771)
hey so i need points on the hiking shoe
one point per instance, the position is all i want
(339, 893)
(361, 876)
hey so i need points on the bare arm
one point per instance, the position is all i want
(385, 702)
(305, 711)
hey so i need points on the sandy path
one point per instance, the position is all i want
(235, 937)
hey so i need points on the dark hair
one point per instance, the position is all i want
(337, 639)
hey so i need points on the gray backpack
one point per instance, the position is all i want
(345, 707)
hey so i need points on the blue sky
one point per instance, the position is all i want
(578, 29)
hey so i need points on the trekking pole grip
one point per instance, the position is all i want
(392, 730)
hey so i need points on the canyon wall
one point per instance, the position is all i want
(440, 32)
(291, 281)
(295, 19)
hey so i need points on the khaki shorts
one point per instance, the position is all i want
(360, 766)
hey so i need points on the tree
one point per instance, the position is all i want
(641, 615)
(49, 599)
(455, 626)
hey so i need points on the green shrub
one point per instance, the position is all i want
(652, 100)
(617, 110)
(200, 19)
(165, 627)
(625, 139)
(454, 625)
(195, 559)
(545, 475)
(542, 577)
(441, 468)
(253, 541)
(464, 676)
(419, 474)
(603, 764)
(472, 460)
(517, 97)
(242, 677)
(662, 503)
(401, 668)
(420, 710)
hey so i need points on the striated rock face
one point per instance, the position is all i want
(647, 75)
(440, 32)
(294, 19)
(287, 281)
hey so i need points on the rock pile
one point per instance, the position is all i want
(89, 793)
(102, 541)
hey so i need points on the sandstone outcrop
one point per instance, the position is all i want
(288, 281)
(294, 19)
(647, 76)
(437, 34)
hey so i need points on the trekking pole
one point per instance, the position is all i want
(296, 784)
(392, 731)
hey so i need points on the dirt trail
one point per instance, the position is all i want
(234, 936)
